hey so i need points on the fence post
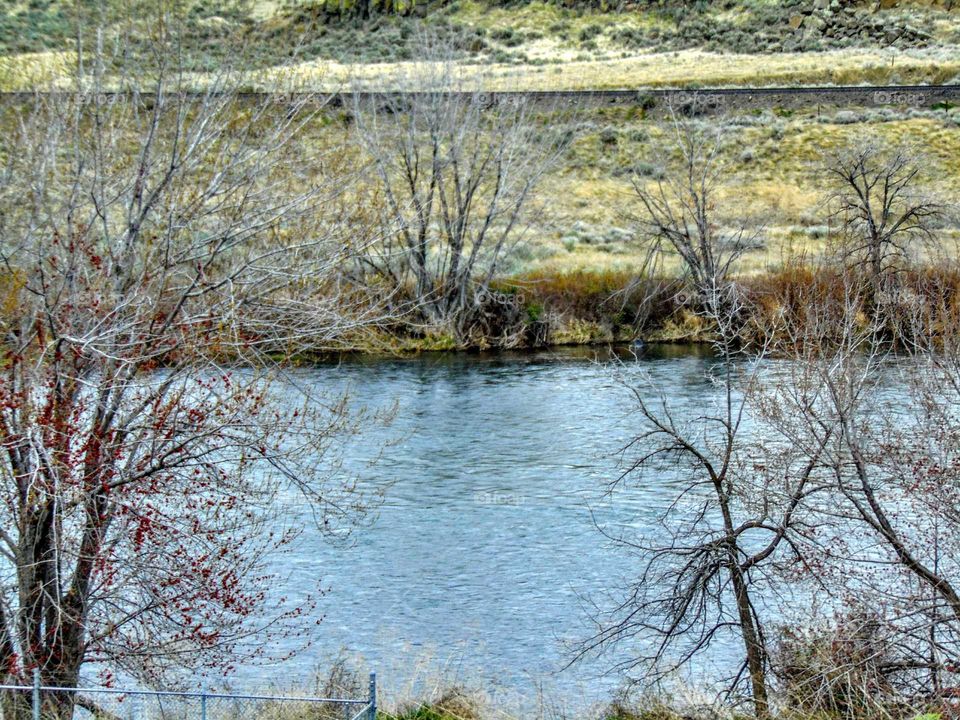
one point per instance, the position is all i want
(372, 712)
(203, 702)
(36, 694)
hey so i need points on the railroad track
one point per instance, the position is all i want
(829, 95)
(709, 100)
(741, 91)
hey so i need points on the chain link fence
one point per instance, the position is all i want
(39, 702)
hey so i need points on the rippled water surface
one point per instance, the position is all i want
(486, 546)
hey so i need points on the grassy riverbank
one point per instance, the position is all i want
(457, 704)
(601, 307)
(578, 275)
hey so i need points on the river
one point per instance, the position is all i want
(479, 562)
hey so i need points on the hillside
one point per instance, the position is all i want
(538, 44)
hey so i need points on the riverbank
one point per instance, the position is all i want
(604, 307)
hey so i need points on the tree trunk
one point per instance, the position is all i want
(751, 641)
(749, 631)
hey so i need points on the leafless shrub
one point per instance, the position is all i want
(456, 168)
(843, 671)
(679, 208)
(884, 542)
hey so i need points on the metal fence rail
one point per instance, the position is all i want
(43, 702)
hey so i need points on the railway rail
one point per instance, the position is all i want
(920, 96)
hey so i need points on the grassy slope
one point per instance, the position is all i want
(774, 183)
(686, 68)
(542, 45)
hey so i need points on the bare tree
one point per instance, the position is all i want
(680, 210)
(732, 519)
(885, 546)
(456, 168)
(151, 241)
(830, 471)
(884, 217)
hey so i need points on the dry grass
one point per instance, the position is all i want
(687, 68)
(30, 70)
(773, 181)
(559, 70)
(538, 44)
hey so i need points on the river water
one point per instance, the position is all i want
(482, 559)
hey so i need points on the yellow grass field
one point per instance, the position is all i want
(687, 68)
